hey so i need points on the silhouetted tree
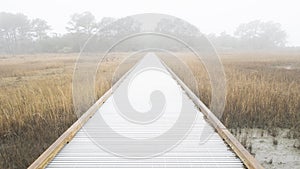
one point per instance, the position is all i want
(183, 31)
(84, 23)
(112, 33)
(15, 30)
(18, 34)
(81, 27)
(39, 29)
(259, 35)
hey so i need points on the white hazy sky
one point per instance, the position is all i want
(210, 16)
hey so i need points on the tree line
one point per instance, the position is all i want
(20, 34)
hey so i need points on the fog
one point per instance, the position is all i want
(209, 16)
(65, 26)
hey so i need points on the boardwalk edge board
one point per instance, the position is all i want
(248, 160)
(66, 137)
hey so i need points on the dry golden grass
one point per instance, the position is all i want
(36, 96)
(263, 89)
(36, 102)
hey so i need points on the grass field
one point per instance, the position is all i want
(36, 102)
(36, 106)
(263, 89)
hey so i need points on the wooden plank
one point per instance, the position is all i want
(65, 138)
(248, 160)
(82, 152)
(241, 152)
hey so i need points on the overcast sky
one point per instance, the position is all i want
(210, 16)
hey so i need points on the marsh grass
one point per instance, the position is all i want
(36, 105)
(263, 89)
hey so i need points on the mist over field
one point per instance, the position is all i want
(257, 44)
(21, 34)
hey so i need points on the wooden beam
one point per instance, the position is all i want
(248, 160)
(68, 135)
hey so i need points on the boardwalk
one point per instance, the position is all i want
(84, 151)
